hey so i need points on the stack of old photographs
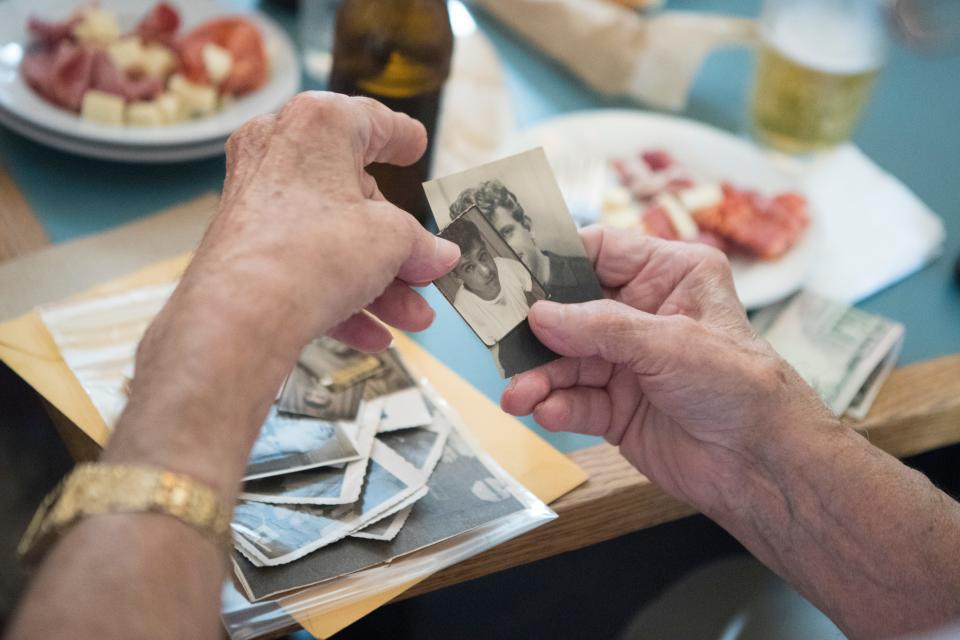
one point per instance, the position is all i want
(357, 464)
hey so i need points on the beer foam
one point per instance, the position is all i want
(834, 39)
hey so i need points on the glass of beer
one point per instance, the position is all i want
(816, 66)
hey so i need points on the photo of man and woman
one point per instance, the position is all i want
(532, 247)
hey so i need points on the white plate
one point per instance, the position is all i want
(17, 98)
(708, 152)
(121, 153)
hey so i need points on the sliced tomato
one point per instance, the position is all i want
(241, 38)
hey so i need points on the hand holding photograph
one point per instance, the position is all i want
(519, 245)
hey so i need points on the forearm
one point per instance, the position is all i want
(126, 576)
(868, 540)
(202, 388)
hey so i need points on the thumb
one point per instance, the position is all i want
(611, 330)
(421, 257)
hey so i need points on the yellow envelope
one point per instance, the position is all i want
(27, 348)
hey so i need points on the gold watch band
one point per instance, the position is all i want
(93, 489)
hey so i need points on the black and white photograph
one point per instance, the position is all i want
(270, 534)
(390, 377)
(404, 410)
(387, 528)
(464, 493)
(521, 199)
(404, 405)
(421, 447)
(320, 486)
(318, 385)
(323, 485)
(490, 288)
(287, 444)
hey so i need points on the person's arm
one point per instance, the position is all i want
(671, 372)
(302, 242)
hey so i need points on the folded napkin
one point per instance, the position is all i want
(874, 230)
(620, 52)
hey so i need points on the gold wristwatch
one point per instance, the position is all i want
(93, 489)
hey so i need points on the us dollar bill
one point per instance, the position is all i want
(843, 352)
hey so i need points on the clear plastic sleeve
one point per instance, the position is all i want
(244, 620)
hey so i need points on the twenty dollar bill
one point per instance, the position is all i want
(844, 353)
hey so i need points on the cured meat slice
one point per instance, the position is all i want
(70, 75)
(50, 32)
(657, 159)
(763, 229)
(160, 25)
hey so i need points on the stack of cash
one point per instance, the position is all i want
(844, 353)
(356, 464)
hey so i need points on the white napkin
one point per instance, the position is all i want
(874, 230)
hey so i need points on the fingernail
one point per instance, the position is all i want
(446, 252)
(549, 314)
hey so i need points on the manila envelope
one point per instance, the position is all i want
(27, 348)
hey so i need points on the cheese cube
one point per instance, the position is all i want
(97, 27)
(126, 53)
(226, 101)
(144, 114)
(102, 107)
(157, 60)
(195, 99)
(701, 197)
(682, 220)
(169, 105)
(217, 61)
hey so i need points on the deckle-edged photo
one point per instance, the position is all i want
(290, 443)
(270, 534)
(421, 447)
(322, 484)
(466, 491)
(404, 405)
(326, 381)
(521, 199)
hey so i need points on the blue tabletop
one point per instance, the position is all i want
(910, 128)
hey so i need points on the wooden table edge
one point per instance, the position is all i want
(918, 410)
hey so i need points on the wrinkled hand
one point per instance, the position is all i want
(303, 244)
(667, 368)
(300, 216)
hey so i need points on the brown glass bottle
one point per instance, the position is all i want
(397, 51)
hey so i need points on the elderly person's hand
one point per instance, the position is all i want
(298, 203)
(303, 244)
(667, 368)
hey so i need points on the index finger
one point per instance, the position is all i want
(389, 136)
